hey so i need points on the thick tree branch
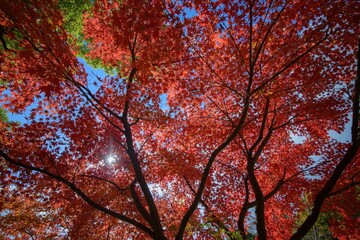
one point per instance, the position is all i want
(80, 193)
(262, 127)
(243, 211)
(128, 92)
(154, 218)
(260, 201)
(206, 172)
(216, 220)
(341, 166)
(142, 210)
(141, 180)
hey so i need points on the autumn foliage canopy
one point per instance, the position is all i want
(214, 120)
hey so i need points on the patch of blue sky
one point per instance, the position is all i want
(163, 102)
(190, 12)
(22, 117)
(297, 139)
(17, 117)
(95, 75)
(343, 137)
(94, 79)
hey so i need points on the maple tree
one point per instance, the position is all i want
(201, 114)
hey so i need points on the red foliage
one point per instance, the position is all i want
(243, 81)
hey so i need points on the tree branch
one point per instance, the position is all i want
(220, 223)
(288, 65)
(120, 189)
(341, 166)
(142, 210)
(80, 193)
(206, 172)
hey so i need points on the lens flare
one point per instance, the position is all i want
(110, 159)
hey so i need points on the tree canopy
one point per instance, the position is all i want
(214, 120)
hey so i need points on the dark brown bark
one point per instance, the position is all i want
(344, 162)
(80, 193)
(205, 175)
